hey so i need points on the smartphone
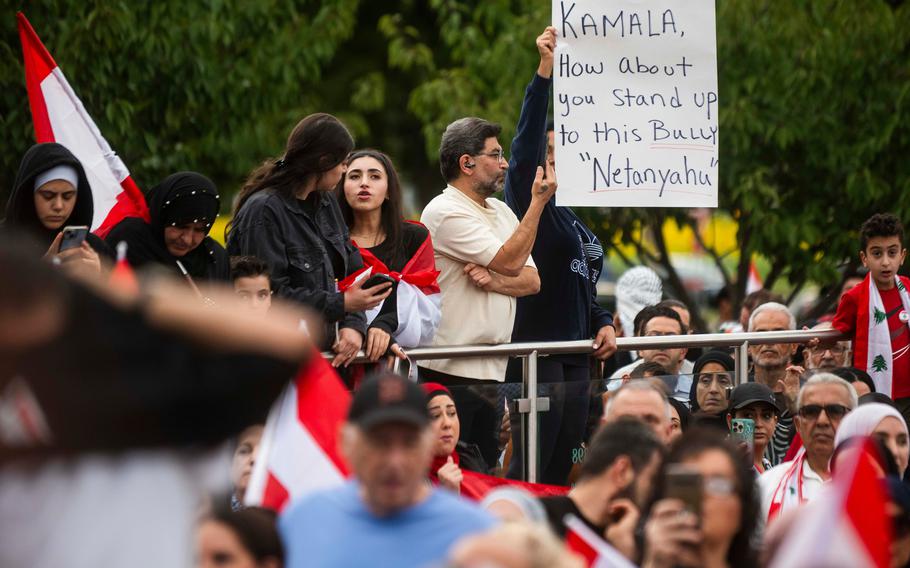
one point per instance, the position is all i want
(377, 279)
(683, 482)
(742, 431)
(73, 237)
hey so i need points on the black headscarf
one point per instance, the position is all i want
(20, 209)
(184, 197)
(719, 357)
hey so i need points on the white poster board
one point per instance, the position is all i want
(635, 103)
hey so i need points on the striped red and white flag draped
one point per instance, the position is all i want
(59, 116)
(848, 527)
(299, 453)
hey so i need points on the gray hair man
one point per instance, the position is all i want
(827, 354)
(822, 403)
(483, 254)
(644, 401)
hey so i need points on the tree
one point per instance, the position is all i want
(813, 118)
(213, 86)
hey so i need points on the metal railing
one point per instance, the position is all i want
(531, 404)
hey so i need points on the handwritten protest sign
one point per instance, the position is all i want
(635, 103)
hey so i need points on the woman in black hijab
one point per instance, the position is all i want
(51, 192)
(182, 209)
(712, 376)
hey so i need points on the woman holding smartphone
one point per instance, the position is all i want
(286, 216)
(705, 509)
(51, 192)
(370, 199)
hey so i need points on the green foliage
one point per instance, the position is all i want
(813, 101)
(213, 86)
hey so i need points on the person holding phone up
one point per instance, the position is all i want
(755, 403)
(399, 252)
(51, 193)
(705, 509)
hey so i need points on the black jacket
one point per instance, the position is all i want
(296, 245)
(20, 209)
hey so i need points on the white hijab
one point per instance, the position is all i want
(863, 420)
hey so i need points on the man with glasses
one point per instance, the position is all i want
(822, 403)
(483, 254)
(828, 354)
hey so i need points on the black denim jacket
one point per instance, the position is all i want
(279, 231)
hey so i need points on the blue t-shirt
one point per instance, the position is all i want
(334, 528)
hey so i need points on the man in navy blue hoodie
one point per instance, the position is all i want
(569, 259)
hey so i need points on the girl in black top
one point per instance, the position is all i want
(182, 209)
(286, 216)
(370, 201)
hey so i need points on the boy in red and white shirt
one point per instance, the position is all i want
(876, 312)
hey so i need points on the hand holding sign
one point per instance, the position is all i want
(546, 45)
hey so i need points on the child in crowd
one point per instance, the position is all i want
(877, 311)
(250, 276)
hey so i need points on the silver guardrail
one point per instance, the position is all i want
(531, 351)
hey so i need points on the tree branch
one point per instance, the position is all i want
(673, 277)
(712, 252)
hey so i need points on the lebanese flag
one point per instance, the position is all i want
(418, 296)
(595, 551)
(58, 116)
(754, 283)
(299, 453)
(476, 485)
(847, 528)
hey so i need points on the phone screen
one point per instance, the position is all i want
(73, 237)
(685, 483)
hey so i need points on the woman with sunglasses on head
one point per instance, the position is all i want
(369, 196)
(719, 533)
(286, 216)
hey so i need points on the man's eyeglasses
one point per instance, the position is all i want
(835, 349)
(813, 411)
(499, 155)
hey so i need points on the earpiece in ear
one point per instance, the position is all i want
(471, 165)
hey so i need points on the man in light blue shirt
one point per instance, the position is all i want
(388, 515)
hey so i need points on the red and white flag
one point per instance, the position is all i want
(596, 552)
(298, 453)
(417, 296)
(754, 283)
(59, 116)
(849, 526)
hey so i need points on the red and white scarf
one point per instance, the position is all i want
(790, 484)
(872, 343)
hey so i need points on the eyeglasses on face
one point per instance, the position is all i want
(500, 155)
(813, 411)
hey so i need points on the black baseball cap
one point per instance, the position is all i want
(388, 397)
(751, 393)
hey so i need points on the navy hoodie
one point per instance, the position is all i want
(568, 256)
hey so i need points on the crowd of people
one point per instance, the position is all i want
(679, 466)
